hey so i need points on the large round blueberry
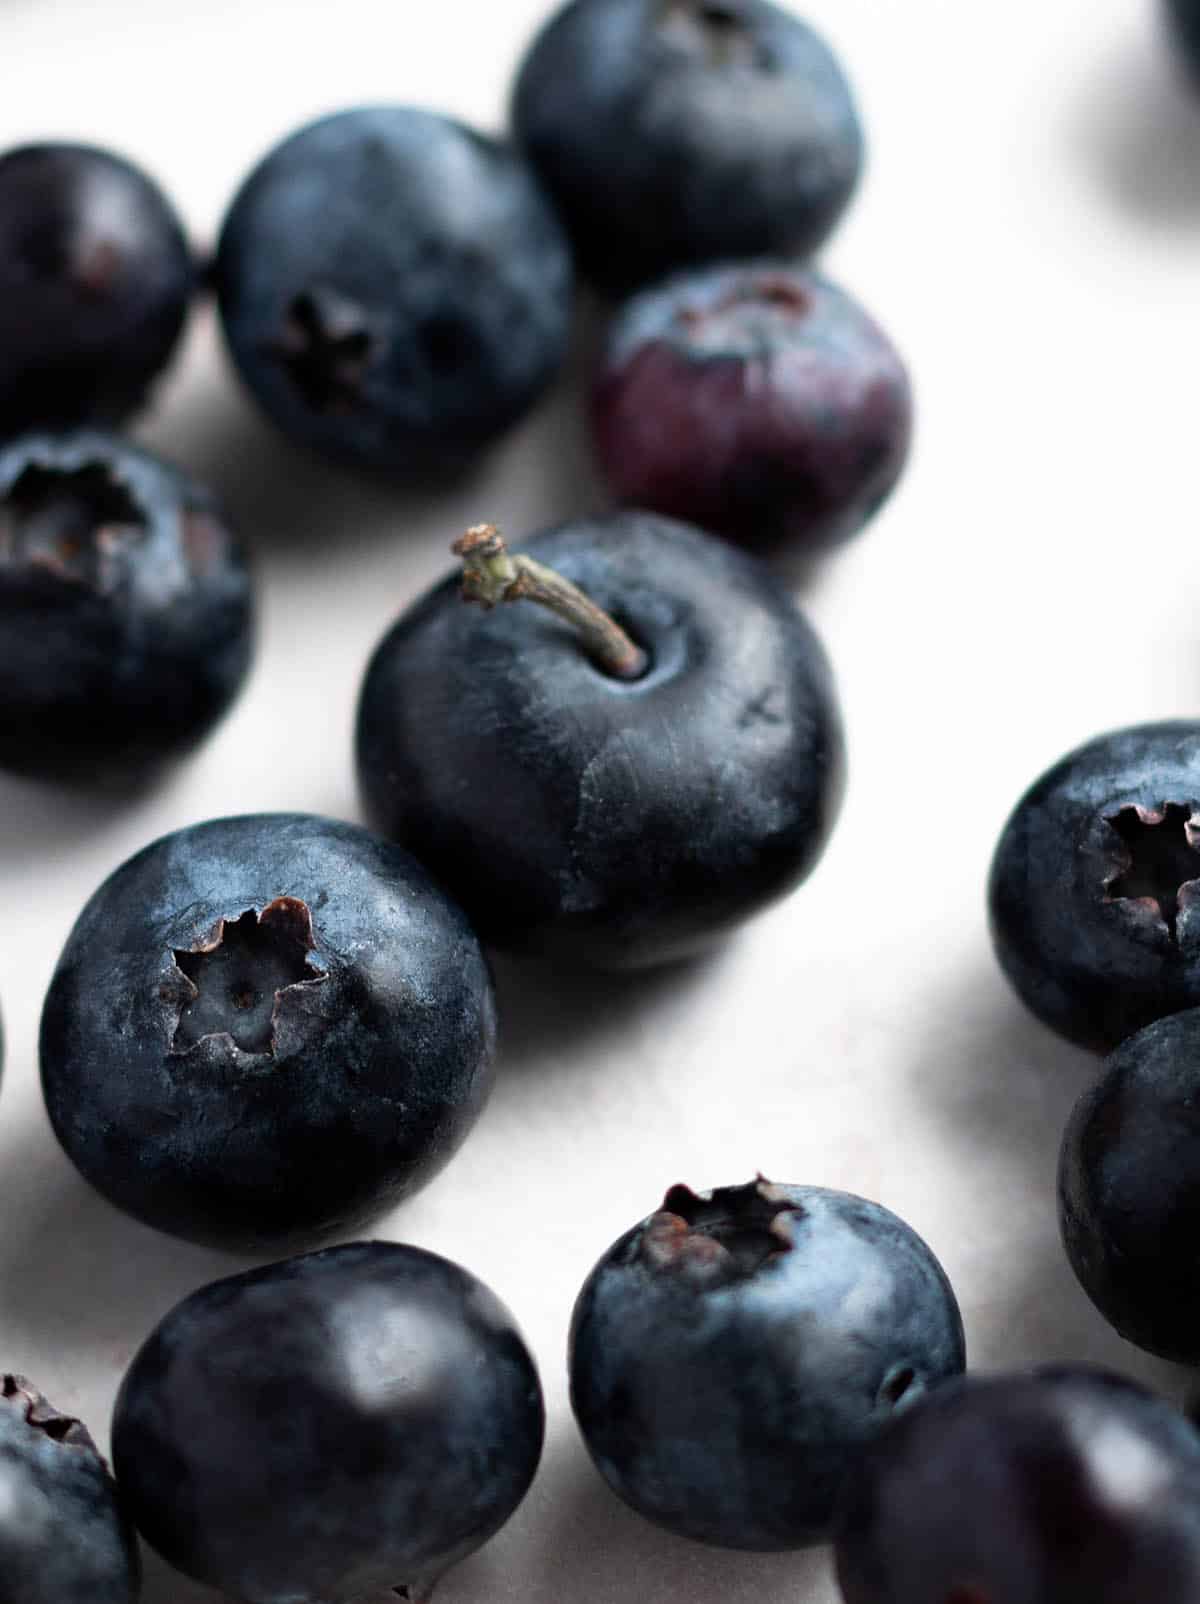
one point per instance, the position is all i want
(1069, 1486)
(394, 288)
(672, 132)
(266, 1028)
(732, 1353)
(63, 1535)
(126, 610)
(1093, 892)
(326, 1428)
(1129, 1188)
(758, 401)
(615, 822)
(95, 279)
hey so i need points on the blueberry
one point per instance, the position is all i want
(1129, 1188)
(64, 1538)
(730, 1356)
(394, 288)
(126, 610)
(314, 1431)
(616, 822)
(758, 401)
(1069, 1486)
(674, 132)
(1093, 886)
(1183, 21)
(95, 280)
(264, 1029)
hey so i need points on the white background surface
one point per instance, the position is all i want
(1030, 233)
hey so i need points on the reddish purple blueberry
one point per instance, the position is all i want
(756, 400)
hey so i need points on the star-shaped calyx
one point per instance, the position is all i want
(724, 1237)
(325, 344)
(73, 523)
(238, 981)
(1163, 858)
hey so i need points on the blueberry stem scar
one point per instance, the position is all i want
(492, 574)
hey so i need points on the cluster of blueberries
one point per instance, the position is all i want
(263, 1031)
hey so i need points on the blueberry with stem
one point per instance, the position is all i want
(617, 778)
(675, 132)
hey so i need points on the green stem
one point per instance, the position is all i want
(492, 574)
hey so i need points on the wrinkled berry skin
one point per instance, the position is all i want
(1129, 1189)
(608, 822)
(63, 1535)
(730, 1356)
(265, 1029)
(1067, 1486)
(1095, 965)
(675, 132)
(758, 401)
(126, 610)
(394, 288)
(1183, 22)
(329, 1427)
(95, 281)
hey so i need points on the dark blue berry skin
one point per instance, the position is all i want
(95, 281)
(126, 610)
(1067, 1486)
(395, 290)
(1129, 1189)
(758, 401)
(1093, 892)
(601, 821)
(675, 132)
(332, 1426)
(1183, 21)
(731, 1355)
(64, 1537)
(265, 1029)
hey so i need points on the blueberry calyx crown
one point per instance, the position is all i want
(72, 523)
(725, 1236)
(23, 1398)
(1160, 864)
(714, 32)
(237, 981)
(325, 345)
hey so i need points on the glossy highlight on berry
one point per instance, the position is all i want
(347, 1423)
(1066, 1486)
